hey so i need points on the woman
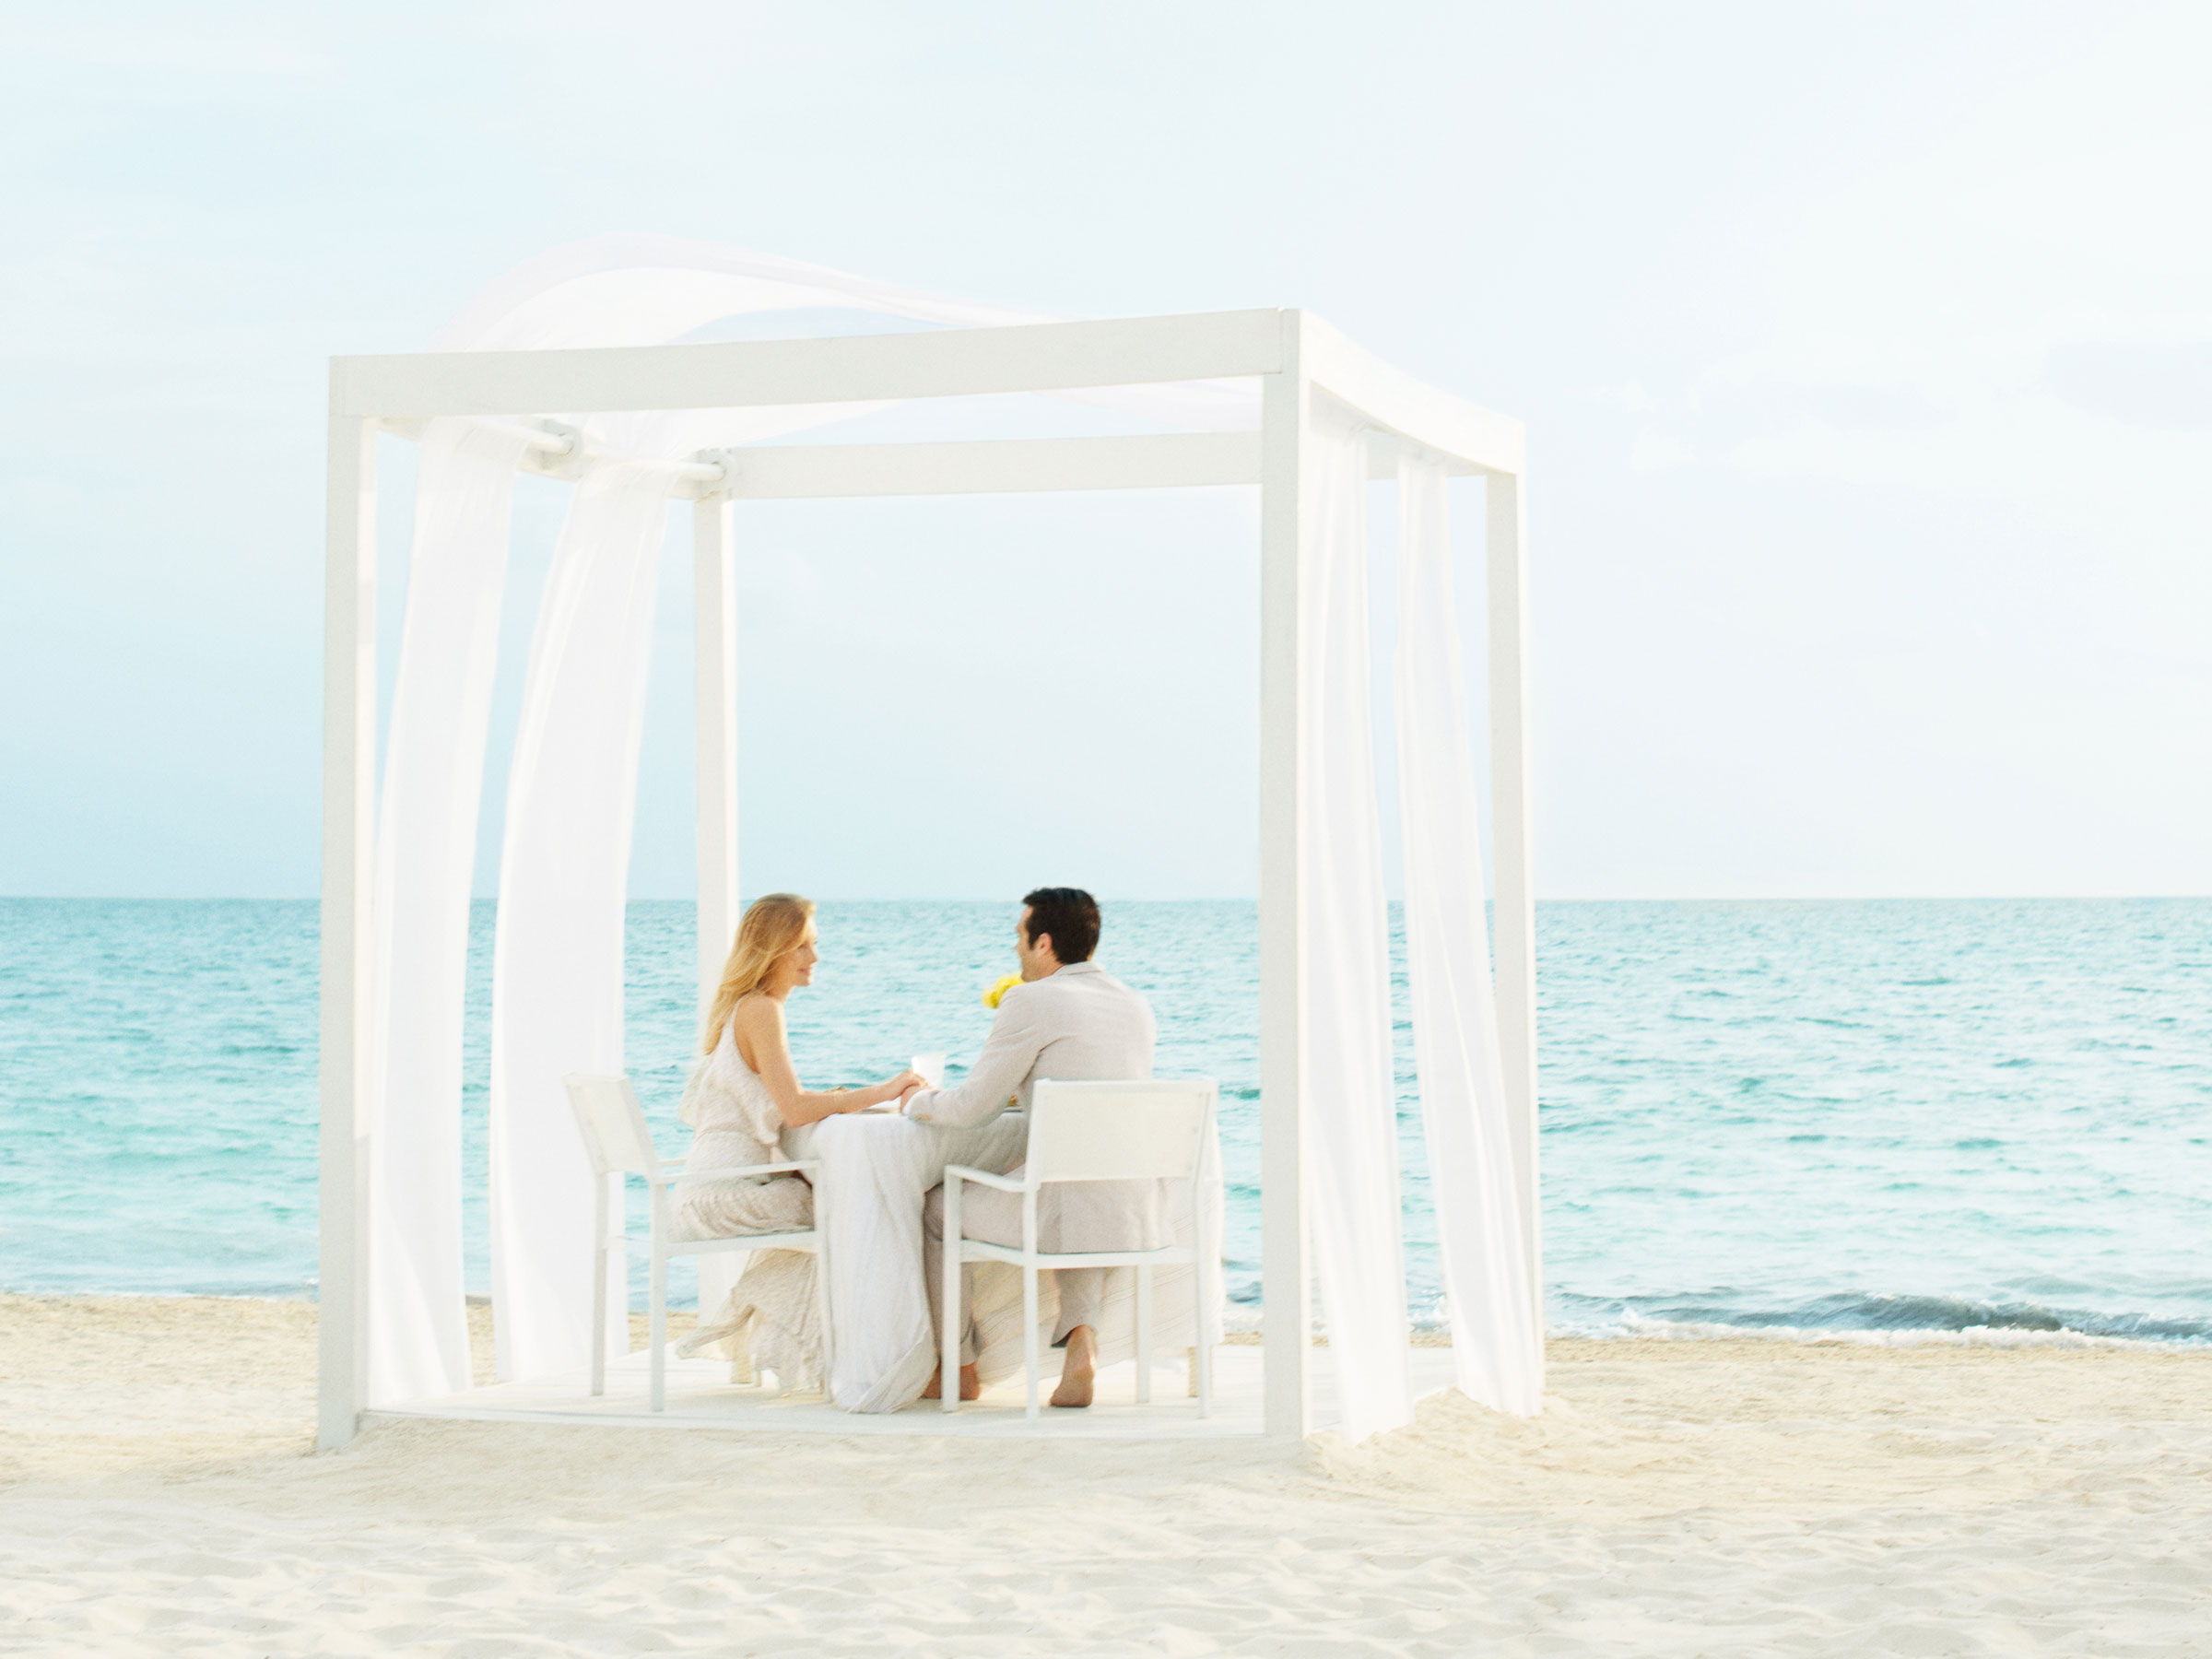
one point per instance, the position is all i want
(743, 1099)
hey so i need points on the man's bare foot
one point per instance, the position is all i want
(1080, 1368)
(971, 1387)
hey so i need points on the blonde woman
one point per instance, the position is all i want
(744, 1095)
(743, 1102)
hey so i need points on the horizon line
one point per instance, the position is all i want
(1184, 898)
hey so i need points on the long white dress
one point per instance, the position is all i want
(771, 1318)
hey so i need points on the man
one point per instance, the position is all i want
(1068, 1020)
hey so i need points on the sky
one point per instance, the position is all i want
(1865, 355)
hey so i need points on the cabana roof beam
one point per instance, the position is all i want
(975, 466)
(958, 362)
(961, 362)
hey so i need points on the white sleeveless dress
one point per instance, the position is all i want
(771, 1318)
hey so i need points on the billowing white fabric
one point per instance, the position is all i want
(645, 290)
(1350, 1109)
(557, 970)
(425, 854)
(1497, 1350)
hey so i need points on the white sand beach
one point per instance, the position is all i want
(159, 1496)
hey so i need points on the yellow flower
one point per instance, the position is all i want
(993, 996)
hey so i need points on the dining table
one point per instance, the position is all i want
(877, 1167)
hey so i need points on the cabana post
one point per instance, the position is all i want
(348, 825)
(1297, 360)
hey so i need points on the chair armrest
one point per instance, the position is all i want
(805, 1167)
(984, 1177)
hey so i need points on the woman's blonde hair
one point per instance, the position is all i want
(774, 926)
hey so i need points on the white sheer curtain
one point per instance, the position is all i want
(1350, 1101)
(425, 854)
(1496, 1348)
(556, 975)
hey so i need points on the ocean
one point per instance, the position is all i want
(1983, 1120)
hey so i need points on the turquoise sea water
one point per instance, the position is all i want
(1907, 1115)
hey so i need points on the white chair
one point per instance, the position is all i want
(1151, 1131)
(618, 1142)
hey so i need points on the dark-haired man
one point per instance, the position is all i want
(1068, 1020)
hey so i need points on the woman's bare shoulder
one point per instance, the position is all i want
(757, 1022)
(757, 1013)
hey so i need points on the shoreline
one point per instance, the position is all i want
(1641, 1330)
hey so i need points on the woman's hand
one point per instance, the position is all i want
(899, 1088)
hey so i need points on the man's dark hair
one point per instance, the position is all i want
(1070, 916)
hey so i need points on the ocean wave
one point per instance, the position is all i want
(1876, 1319)
(1999, 1336)
(1865, 1320)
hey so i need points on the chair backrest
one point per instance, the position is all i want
(612, 1124)
(1118, 1131)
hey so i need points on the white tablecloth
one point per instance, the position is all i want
(876, 1169)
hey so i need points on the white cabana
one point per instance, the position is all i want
(560, 370)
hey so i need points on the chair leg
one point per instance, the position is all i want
(1201, 1357)
(598, 1287)
(656, 1330)
(1144, 1333)
(948, 1303)
(1029, 1334)
(619, 1275)
(1190, 1373)
(1206, 1296)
